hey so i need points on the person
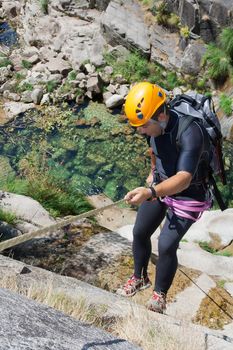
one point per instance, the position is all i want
(179, 193)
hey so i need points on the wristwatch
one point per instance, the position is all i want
(153, 192)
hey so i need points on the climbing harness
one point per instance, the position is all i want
(41, 232)
(182, 208)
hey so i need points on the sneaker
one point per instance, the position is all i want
(134, 285)
(157, 303)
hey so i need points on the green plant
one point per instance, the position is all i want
(173, 21)
(19, 76)
(226, 104)
(185, 32)
(44, 4)
(162, 14)
(8, 217)
(26, 64)
(51, 85)
(205, 245)
(5, 62)
(72, 75)
(201, 84)
(172, 80)
(218, 64)
(221, 283)
(226, 41)
(133, 68)
(224, 253)
(24, 87)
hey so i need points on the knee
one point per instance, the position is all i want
(139, 232)
(167, 247)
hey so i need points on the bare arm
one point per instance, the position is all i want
(173, 185)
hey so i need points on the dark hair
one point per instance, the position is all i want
(162, 109)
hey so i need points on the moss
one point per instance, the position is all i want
(210, 315)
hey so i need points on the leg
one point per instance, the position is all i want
(173, 230)
(149, 217)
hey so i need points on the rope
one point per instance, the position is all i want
(208, 296)
(41, 232)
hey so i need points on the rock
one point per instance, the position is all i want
(56, 65)
(37, 95)
(114, 101)
(11, 96)
(25, 208)
(89, 68)
(177, 91)
(123, 90)
(40, 327)
(13, 109)
(213, 226)
(119, 27)
(111, 88)
(108, 70)
(227, 127)
(5, 73)
(214, 14)
(26, 96)
(229, 288)
(192, 58)
(11, 8)
(106, 96)
(95, 84)
(80, 76)
(45, 100)
(8, 231)
(93, 257)
(8, 85)
(164, 47)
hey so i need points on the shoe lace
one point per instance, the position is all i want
(158, 297)
(131, 281)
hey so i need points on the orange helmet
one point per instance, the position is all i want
(142, 102)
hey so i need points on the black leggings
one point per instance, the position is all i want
(149, 217)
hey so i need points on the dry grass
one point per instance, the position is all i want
(139, 326)
(79, 308)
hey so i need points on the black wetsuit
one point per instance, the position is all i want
(191, 154)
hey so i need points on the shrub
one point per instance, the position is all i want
(226, 41)
(72, 75)
(133, 68)
(8, 217)
(24, 87)
(26, 64)
(4, 62)
(173, 21)
(44, 4)
(218, 64)
(226, 104)
(184, 32)
(51, 86)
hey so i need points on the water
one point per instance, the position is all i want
(8, 35)
(104, 157)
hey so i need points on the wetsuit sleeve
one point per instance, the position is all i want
(191, 148)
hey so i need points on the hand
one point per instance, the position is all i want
(138, 195)
(150, 179)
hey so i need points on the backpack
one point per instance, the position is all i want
(194, 106)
